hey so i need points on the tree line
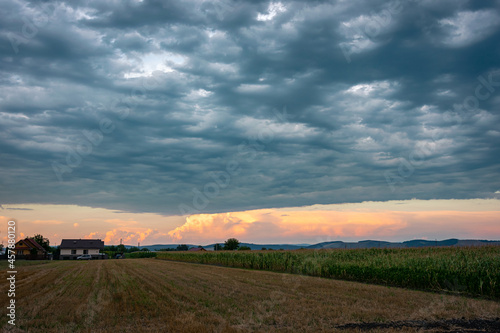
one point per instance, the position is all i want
(123, 249)
(229, 245)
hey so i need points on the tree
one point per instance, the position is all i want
(217, 247)
(231, 244)
(244, 248)
(121, 248)
(44, 242)
(133, 249)
(182, 247)
(144, 249)
(55, 250)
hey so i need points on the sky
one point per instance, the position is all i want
(191, 121)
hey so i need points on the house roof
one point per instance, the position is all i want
(196, 249)
(82, 244)
(32, 244)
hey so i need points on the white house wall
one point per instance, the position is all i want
(78, 251)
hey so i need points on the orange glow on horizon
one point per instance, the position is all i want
(397, 221)
(272, 225)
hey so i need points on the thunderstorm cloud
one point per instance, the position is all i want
(179, 107)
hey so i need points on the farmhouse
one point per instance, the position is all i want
(73, 248)
(30, 249)
(196, 249)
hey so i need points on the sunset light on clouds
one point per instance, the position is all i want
(392, 220)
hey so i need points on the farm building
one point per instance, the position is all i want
(73, 248)
(196, 249)
(30, 249)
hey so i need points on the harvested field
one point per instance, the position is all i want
(150, 295)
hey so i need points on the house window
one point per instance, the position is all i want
(85, 251)
(73, 251)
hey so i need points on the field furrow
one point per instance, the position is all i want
(149, 295)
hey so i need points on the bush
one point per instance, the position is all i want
(141, 254)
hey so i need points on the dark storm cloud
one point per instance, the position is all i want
(220, 106)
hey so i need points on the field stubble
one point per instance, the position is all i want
(148, 295)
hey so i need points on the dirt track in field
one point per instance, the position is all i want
(449, 325)
(148, 295)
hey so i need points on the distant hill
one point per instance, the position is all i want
(365, 244)
(406, 244)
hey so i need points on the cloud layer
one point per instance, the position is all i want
(202, 107)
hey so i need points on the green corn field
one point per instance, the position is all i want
(465, 270)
